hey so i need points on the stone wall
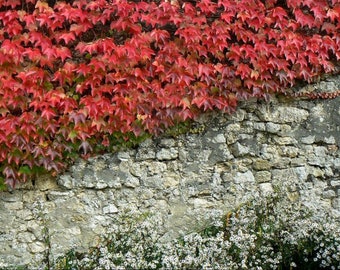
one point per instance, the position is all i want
(213, 166)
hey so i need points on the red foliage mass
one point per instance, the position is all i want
(74, 72)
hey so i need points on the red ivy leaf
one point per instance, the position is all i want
(85, 147)
(304, 19)
(279, 13)
(77, 117)
(63, 53)
(66, 36)
(334, 13)
(48, 113)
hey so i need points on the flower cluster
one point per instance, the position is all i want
(270, 232)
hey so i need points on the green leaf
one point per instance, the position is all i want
(48, 85)
(73, 134)
(25, 170)
(3, 186)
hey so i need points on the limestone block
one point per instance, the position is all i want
(10, 197)
(26, 237)
(261, 164)
(329, 140)
(146, 143)
(146, 194)
(88, 180)
(316, 160)
(167, 143)
(154, 168)
(46, 182)
(110, 209)
(268, 151)
(219, 153)
(201, 203)
(278, 128)
(161, 205)
(66, 181)
(123, 156)
(182, 154)
(273, 128)
(266, 188)
(290, 151)
(263, 176)
(328, 194)
(24, 214)
(233, 127)
(131, 182)
(297, 173)
(156, 182)
(37, 247)
(145, 154)
(239, 150)
(320, 151)
(171, 180)
(301, 173)
(106, 178)
(298, 161)
(231, 138)
(219, 138)
(59, 195)
(308, 139)
(99, 164)
(34, 227)
(244, 177)
(293, 196)
(139, 169)
(100, 184)
(238, 116)
(167, 154)
(335, 183)
(336, 203)
(283, 174)
(336, 163)
(13, 206)
(284, 140)
(259, 126)
(247, 127)
(282, 114)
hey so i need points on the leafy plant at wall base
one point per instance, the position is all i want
(266, 233)
(3, 186)
(74, 73)
(67, 262)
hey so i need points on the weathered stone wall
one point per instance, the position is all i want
(221, 160)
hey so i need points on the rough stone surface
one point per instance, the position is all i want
(262, 144)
